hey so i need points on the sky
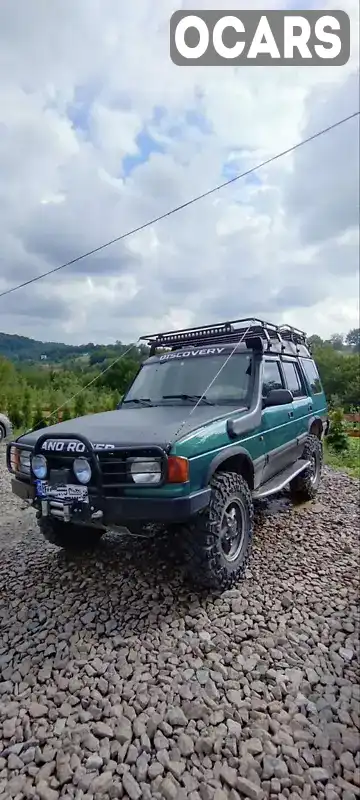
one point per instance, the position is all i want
(100, 132)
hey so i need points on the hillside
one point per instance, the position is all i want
(22, 349)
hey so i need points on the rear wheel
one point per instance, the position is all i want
(73, 538)
(2, 432)
(218, 542)
(305, 486)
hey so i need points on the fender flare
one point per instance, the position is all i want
(317, 420)
(224, 455)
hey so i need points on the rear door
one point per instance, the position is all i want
(278, 425)
(302, 405)
(315, 389)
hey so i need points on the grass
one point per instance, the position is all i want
(347, 462)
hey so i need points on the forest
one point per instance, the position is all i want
(32, 389)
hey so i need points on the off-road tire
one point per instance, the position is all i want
(206, 563)
(69, 537)
(2, 433)
(303, 487)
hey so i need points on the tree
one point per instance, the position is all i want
(315, 341)
(339, 373)
(66, 413)
(115, 399)
(7, 372)
(38, 419)
(120, 375)
(353, 339)
(26, 408)
(337, 341)
(14, 410)
(80, 405)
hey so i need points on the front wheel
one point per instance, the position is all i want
(305, 486)
(69, 537)
(217, 543)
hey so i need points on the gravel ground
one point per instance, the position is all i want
(118, 680)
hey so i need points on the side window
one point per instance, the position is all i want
(293, 379)
(312, 375)
(272, 377)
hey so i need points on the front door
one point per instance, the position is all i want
(278, 424)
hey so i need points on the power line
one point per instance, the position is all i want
(183, 205)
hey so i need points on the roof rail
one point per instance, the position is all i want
(231, 331)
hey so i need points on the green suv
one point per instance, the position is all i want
(216, 418)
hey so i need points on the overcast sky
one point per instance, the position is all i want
(99, 132)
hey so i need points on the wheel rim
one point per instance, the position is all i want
(232, 529)
(314, 469)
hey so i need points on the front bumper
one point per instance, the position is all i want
(166, 510)
(125, 509)
(23, 490)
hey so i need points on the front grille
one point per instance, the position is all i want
(113, 471)
(60, 467)
(115, 474)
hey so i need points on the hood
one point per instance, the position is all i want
(158, 425)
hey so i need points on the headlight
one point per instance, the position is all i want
(145, 470)
(82, 470)
(38, 466)
(24, 461)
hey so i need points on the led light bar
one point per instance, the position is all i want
(192, 335)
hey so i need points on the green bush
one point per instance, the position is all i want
(66, 413)
(38, 421)
(15, 412)
(337, 438)
(80, 405)
(26, 409)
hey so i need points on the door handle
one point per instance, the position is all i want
(310, 407)
(290, 413)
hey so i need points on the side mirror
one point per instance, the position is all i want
(278, 397)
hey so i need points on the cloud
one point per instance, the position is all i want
(329, 205)
(100, 132)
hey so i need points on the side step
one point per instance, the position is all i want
(278, 482)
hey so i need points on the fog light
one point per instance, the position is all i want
(82, 470)
(39, 466)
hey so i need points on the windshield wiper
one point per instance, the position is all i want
(194, 398)
(140, 400)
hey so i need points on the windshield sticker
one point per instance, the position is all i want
(210, 351)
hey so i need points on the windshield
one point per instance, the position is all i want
(186, 379)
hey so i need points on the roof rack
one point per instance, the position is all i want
(251, 331)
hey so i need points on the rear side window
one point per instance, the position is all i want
(293, 378)
(272, 377)
(312, 375)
